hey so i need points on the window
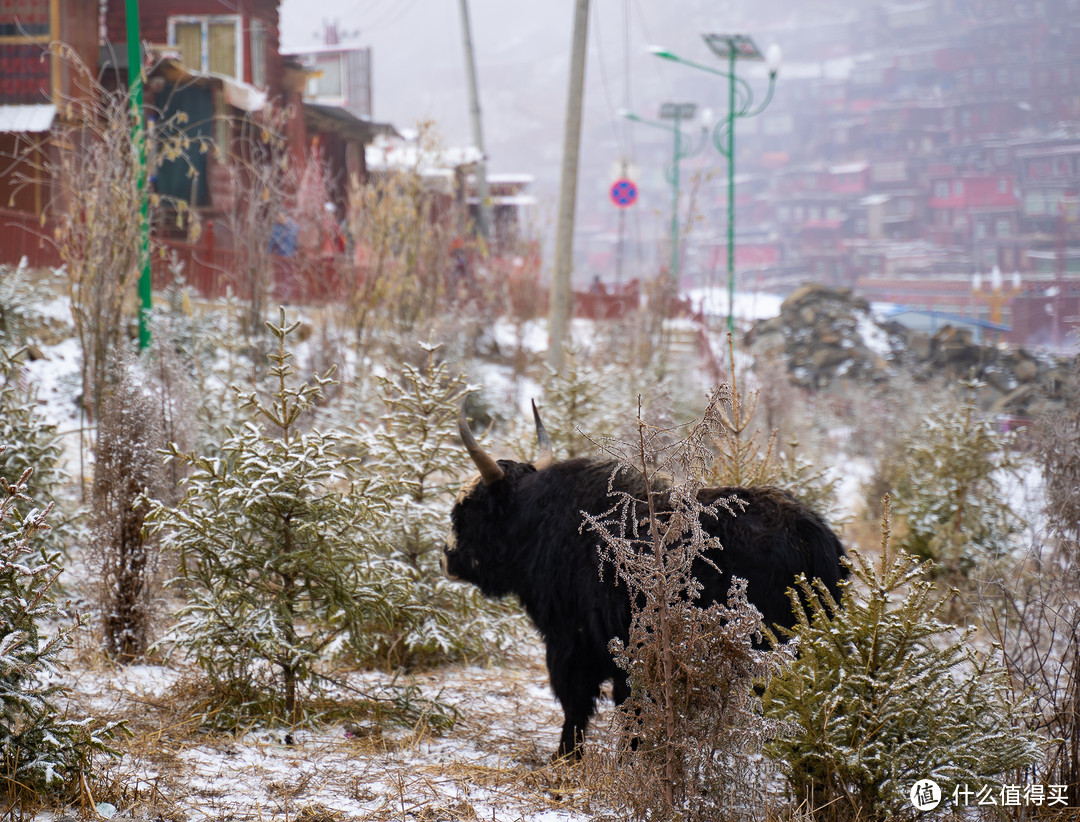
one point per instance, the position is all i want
(1003, 185)
(1004, 227)
(258, 53)
(330, 84)
(210, 43)
(941, 189)
(958, 188)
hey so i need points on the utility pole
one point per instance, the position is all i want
(559, 314)
(477, 130)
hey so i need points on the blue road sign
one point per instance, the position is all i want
(623, 193)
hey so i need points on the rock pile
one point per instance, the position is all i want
(829, 338)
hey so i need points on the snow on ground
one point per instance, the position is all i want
(57, 376)
(749, 305)
(493, 764)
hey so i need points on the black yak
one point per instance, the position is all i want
(516, 529)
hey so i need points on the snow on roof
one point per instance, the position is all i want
(26, 119)
(849, 168)
(392, 154)
(509, 178)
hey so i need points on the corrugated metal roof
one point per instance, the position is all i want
(27, 119)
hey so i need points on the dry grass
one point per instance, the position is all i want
(494, 763)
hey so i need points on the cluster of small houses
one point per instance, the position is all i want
(213, 70)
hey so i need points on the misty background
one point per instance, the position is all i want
(523, 56)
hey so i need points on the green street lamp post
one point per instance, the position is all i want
(740, 104)
(139, 137)
(681, 150)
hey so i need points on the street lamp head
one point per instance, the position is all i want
(678, 111)
(708, 117)
(730, 46)
(662, 53)
(773, 58)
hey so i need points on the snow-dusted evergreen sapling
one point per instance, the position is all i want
(41, 751)
(414, 446)
(883, 694)
(744, 458)
(947, 489)
(30, 442)
(271, 547)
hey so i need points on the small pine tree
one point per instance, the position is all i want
(414, 446)
(884, 694)
(273, 555)
(947, 489)
(31, 441)
(41, 751)
(742, 459)
(16, 305)
(582, 403)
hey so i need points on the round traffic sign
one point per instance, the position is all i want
(623, 193)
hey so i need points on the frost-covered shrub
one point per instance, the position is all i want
(273, 554)
(689, 737)
(127, 465)
(41, 751)
(414, 448)
(16, 305)
(947, 492)
(884, 694)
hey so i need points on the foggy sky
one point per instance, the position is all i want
(523, 54)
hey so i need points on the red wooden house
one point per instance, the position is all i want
(216, 61)
(35, 81)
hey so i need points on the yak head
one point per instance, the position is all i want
(484, 516)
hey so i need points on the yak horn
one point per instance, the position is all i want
(546, 456)
(490, 471)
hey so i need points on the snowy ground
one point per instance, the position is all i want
(493, 764)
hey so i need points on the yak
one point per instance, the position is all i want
(516, 529)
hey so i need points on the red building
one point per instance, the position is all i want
(215, 62)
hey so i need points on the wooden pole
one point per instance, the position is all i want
(559, 313)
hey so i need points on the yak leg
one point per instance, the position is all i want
(577, 689)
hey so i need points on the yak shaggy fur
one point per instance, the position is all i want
(521, 534)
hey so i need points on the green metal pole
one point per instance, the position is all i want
(138, 133)
(673, 271)
(731, 197)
